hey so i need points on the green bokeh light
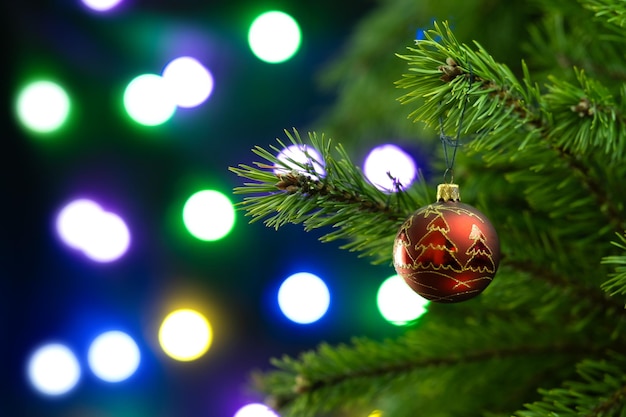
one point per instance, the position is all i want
(148, 101)
(398, 303)
(274, 37)
(209, 215)
(42, 106)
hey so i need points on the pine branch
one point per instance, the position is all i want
(600, 392)
(616, 284)
(505, 113)
(613, 12)
(600, 117)
(332, 378)
(447, 74)
(289, 191)
(561, 41)
(444, 74)
(560, 283)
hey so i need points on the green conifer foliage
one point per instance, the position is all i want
(543, 154)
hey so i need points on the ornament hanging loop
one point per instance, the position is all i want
(450, 142)
(448, 176)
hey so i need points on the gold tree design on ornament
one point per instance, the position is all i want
(437, 250)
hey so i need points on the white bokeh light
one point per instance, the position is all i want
(101, 5)
(305, 155)
(389, 160)
(43, 106)
(255, 410)
(274, 37)
(74, 222)
(303, 298)
(113, 356)
(101, 235)
(189, 81)
(109, 238)
(53, 369)
(148, 100)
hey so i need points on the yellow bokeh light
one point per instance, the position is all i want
(185, 335)
(376, 413)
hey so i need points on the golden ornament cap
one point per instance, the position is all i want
(448, 192)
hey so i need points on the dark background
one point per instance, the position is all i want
(49, 293)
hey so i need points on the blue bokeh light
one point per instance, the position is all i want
(304, 298)
(114, 356)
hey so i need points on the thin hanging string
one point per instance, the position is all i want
(447, 141)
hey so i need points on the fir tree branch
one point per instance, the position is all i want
(304, 386)
(616, 284)
(546, 259)
(600, 392)
(441, 71)
(613, 12)
(561, 41)
(595, 188)
(339, 196)
(600, 117)
(571, 120)
(558, 281)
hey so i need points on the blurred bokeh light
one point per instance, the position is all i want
(113, 356)
(303, 298)
(143, 106)
(255, 410)
(389, 167)
(42, 106)
(189, 82)
(148, 100)
(53, 369)
(398, 303)
(209, 215)
(294, 156)
(74, 220)
(274, 37)
(185, 335)
(101, 5)
(102, 236)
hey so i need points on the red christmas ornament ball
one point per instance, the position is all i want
(447, 251)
